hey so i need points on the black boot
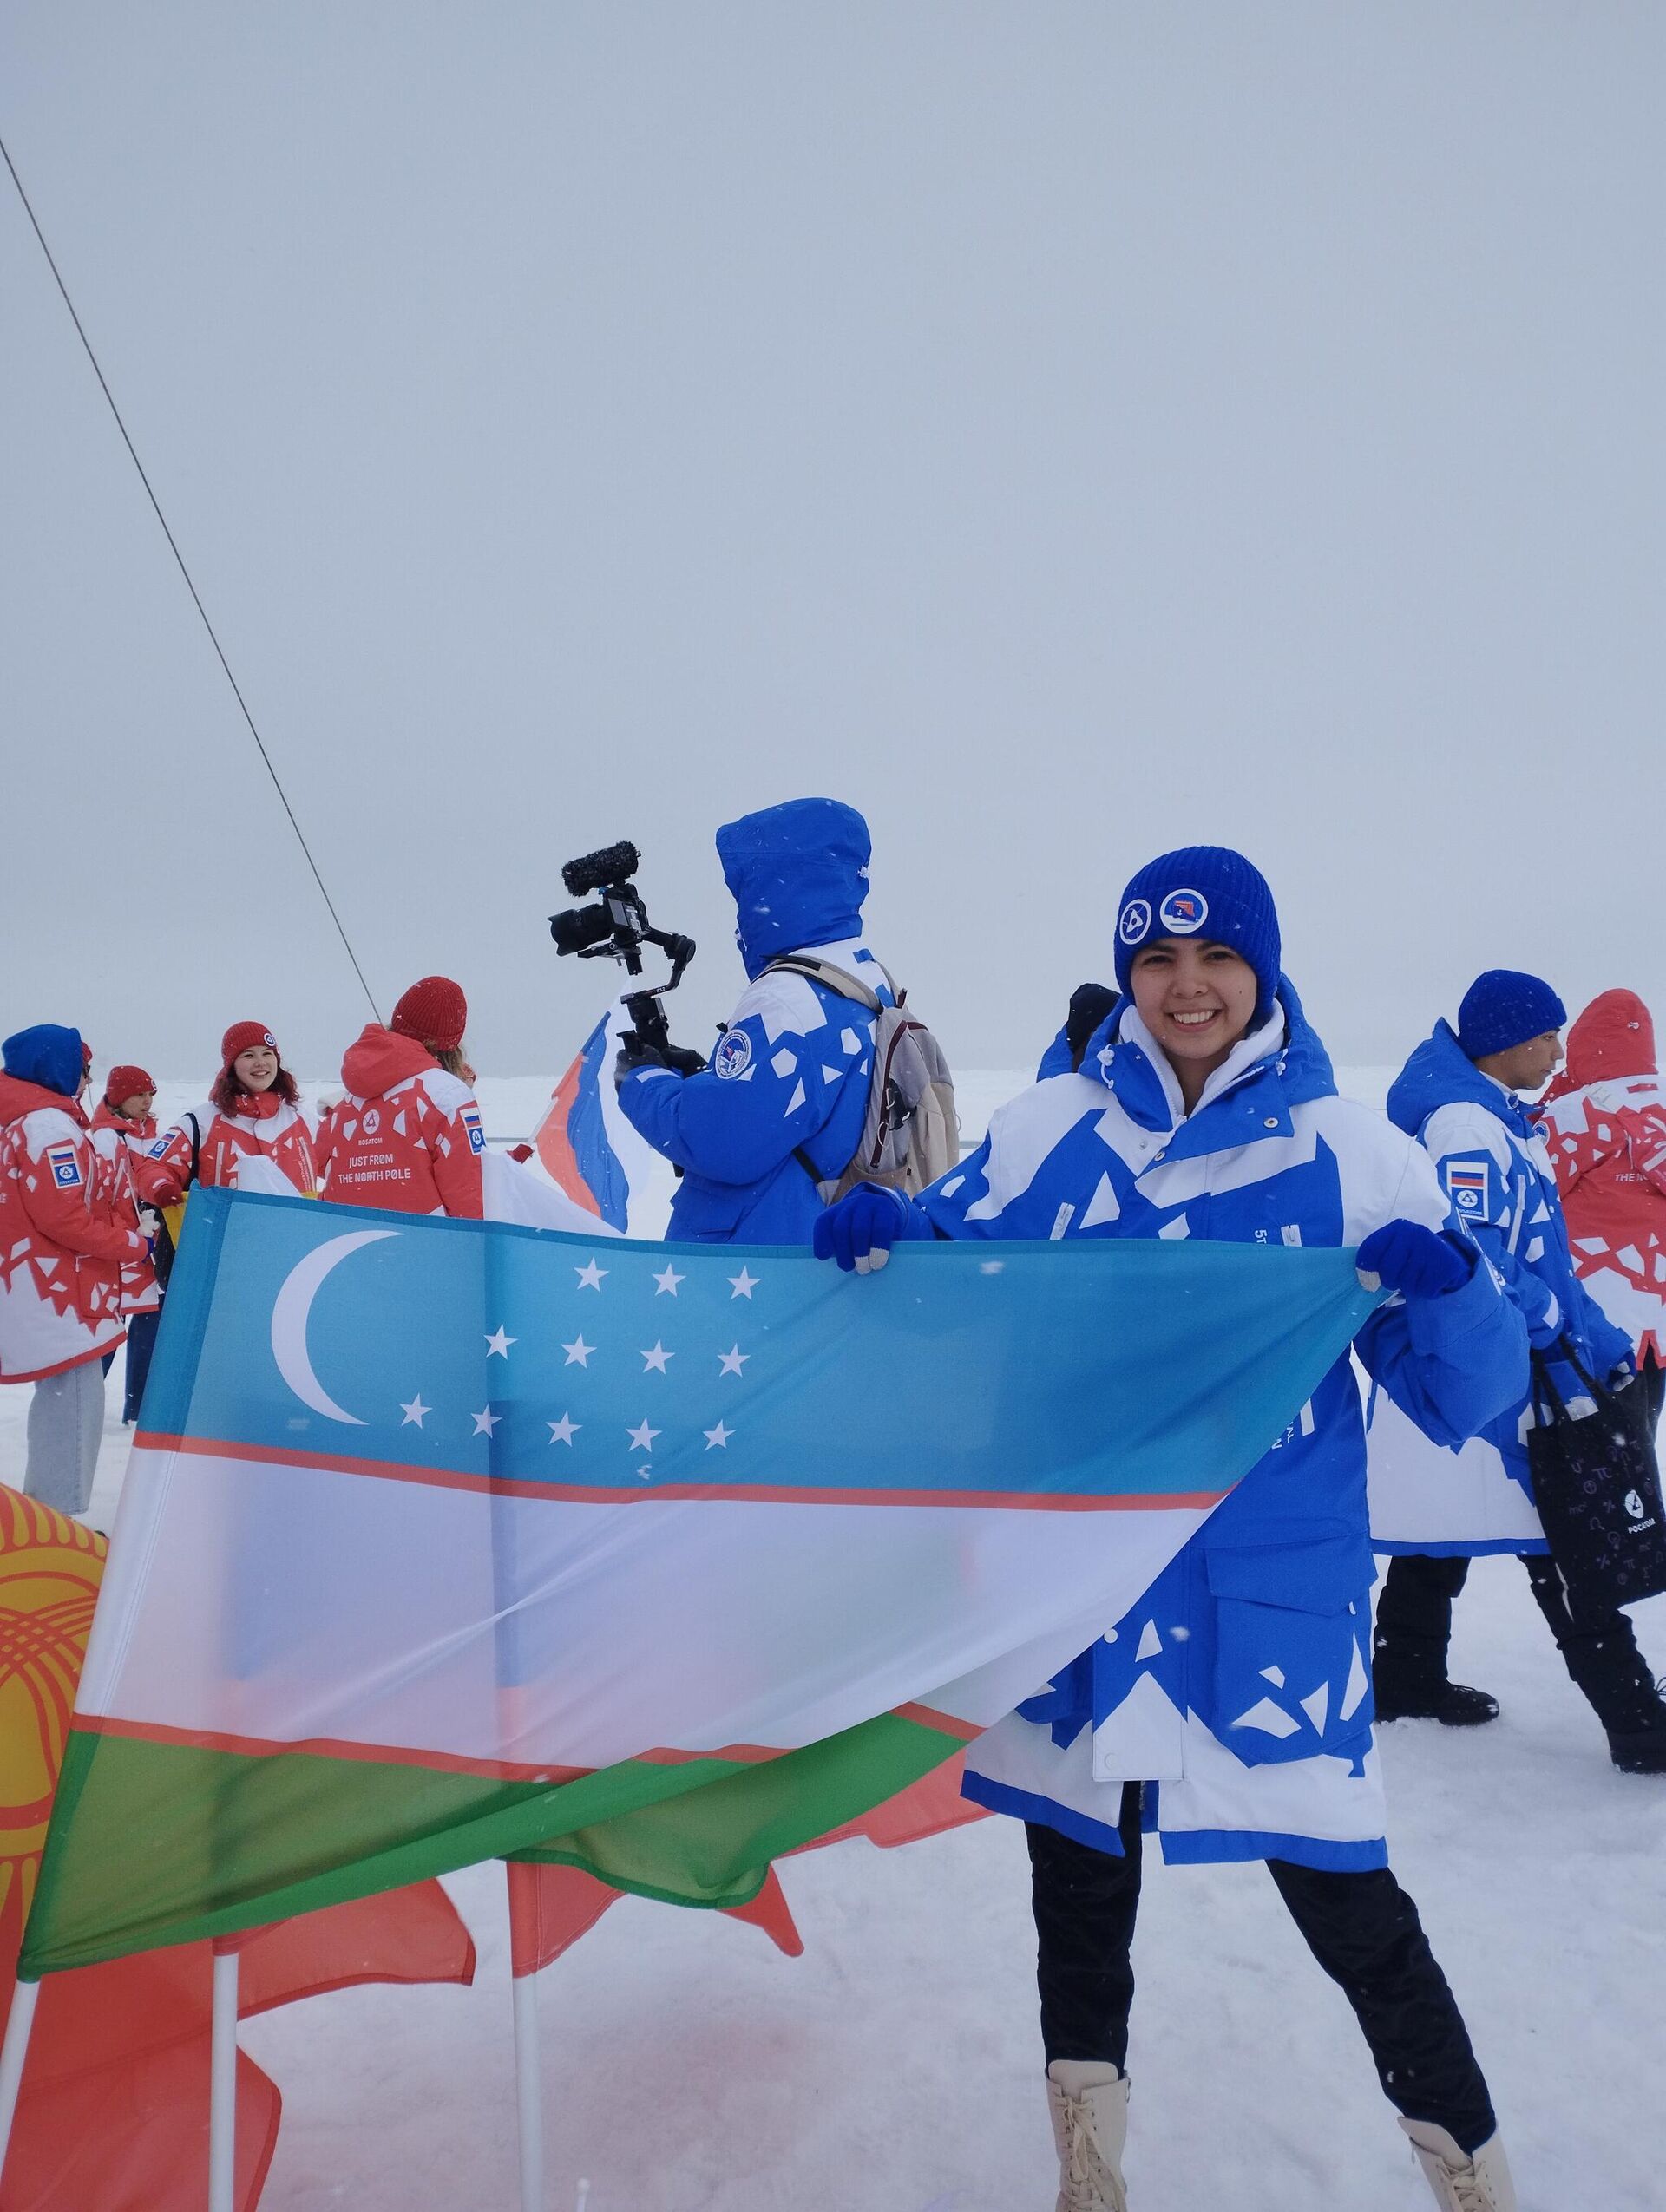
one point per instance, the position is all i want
(1409, 1648)
(1454, 1704)
(1600, 1652)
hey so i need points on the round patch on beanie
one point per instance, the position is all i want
(1136, 921)
(1183, 914)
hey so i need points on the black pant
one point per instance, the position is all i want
(1362, 1928)
(1599, 1647)
(141, 1342)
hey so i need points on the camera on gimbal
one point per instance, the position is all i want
(616, 927)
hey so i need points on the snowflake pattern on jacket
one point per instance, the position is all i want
(791, 1073)
(1604, 1124)
(1240, 1686)
(62, 1245)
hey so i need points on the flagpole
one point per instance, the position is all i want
(528, 2068)
(222, 2087)
(19, 2024)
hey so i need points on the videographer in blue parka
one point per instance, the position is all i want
(781, 1107)
(1230, 1714)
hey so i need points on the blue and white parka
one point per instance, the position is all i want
(1490, 1160)
(790, 1074)
(1241, 1685)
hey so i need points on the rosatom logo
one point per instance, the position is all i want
(66, 1168)
(1183, 914)
(1136, 921)
(372, 1121)
(1634, 1506)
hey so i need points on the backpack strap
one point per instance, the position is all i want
(196, 1148)
(843, 985)
(840, 981)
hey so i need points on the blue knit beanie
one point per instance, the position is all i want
(1206, 891)
(1503, 1008)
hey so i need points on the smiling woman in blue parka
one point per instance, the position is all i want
(1230, 1714)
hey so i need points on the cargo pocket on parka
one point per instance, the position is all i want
(1292, 1671)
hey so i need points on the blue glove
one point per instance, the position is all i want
(1416, 1261)
(859, 1231)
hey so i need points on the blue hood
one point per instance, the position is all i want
(1298, 1071)
(45, 1054)
(1440, 1073)
(798, 873)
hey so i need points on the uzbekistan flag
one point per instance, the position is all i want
(447, 1540)
(585, 1143)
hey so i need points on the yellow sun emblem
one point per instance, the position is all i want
(50, 1567)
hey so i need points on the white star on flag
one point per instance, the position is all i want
(578, 1353)
(414, 1412)
(743, 1285)
(499, 1343)
(719, 1438)
(732, 1361)
(653, 1363)
(590, 1277)
(486, 1421)
(668, 1280)
(564, 1430)
(642, 1437)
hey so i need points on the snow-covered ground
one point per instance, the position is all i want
(895, 2067)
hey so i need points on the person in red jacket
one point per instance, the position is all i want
(63, 1248)
(251, 1134)
(408, 1135)
(124, 1130)
(1604, 1123)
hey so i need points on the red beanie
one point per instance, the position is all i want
(126, 1082)
(243, 1036)
(433, 1011)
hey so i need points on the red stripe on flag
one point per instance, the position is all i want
(452, 1478)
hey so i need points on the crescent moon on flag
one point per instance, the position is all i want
(289, 1319)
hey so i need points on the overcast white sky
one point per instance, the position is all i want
(1064, 428)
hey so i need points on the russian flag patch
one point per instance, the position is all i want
(1466, 1181)
(64, 1166)
(471, 1122)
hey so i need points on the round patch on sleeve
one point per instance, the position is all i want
(733, 1055)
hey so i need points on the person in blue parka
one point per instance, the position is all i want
(1229, 1714)
(780, 1110)
(1459, 1095)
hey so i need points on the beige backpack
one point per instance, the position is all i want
(910, 1134)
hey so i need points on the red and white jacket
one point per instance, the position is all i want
(264, 1145)
(1604, 1122)
(408, 1135)
(61, 1244)
(120, 1143)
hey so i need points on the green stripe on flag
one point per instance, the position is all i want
(212, 1841)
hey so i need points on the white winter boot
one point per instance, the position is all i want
(1462, 2181)
(1088, 2099)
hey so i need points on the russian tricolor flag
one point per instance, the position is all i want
(588, 1147)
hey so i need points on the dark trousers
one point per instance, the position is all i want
(141, 1342)
(1361, 1928)
(1598, 1646)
